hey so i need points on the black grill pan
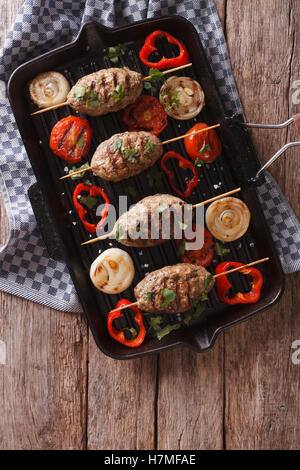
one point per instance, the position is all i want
(52, 199)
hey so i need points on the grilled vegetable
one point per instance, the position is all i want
(119, 335)
(205, 146)
(146, 114)
(105, 91)
(183, 163)
(228, 219)
(89, 201)
(223, 285)
(201, 257)
(49, 89)
(173, 289)
(125, 155)
(149, 47)
(70, 138)
(182, 97)
(112, 271)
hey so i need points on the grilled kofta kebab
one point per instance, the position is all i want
(125, 155)
(186, 281)
(105, 91)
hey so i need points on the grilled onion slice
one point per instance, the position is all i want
(228, 219)
(48, 89)
(112, 272)
(182, 97)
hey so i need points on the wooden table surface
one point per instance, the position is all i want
(58, 391)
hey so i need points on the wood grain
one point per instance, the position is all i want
(262, 384)
(43, 383)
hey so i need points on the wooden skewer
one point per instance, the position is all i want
(220, 196)
(60, 105)
(172, 70)
(135, 304)
(163, 143)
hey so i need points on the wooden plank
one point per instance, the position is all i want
(121, 402)
(43, 380)
(190, 399)
(262, 384)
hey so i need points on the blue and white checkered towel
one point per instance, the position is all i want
(40, 26)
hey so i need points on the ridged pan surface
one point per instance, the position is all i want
(237, 163)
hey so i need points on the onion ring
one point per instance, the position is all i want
(112, 272)
(48, 89)
(182, 97)
(228, 219)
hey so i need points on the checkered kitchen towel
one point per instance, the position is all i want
(25, 268)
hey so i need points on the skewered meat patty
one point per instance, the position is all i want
(187, 281)
(152, 221)
(105, 91)
(125, 155)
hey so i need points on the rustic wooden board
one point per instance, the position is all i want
(262, 384)
(58, 391)
(43, 383)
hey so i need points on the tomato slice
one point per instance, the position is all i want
(203, 256)
(145, 114)
(70, 138)
(206, 145)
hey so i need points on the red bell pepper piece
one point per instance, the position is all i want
(223, 285)
(93, 191)
(183, 163)
(164, 63)
(119, 335)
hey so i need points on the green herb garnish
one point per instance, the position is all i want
(132, 331)
(200, 309)
(168, 296)
(118, 144)
(155, 179)
(80, 142)
(182, 225)
(148, 145)
(207, 281)
(149, 87)
(155, 75)
(181, 249)
(205, 148)
(130, 154)
(198, 162)
(131, 191)
(155, 323)
(79, 92)
(174, 99)
(119, 93)
(220, 249)
(162, 208)
(148, 296)
(115, 52)
(74, 169)
(120, 233)
(88, 201)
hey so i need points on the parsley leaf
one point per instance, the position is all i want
(155, 75)
(220, 249)
(162, 208)
(80, 175)
(154, 179)
(205, 148)
(181, 248)
(207, 281)
(88, 201)
(182, 225)
(155, 323)
(168, 296)
(198, 162)
(79, 92)
(118, 144)
(148, 296)
(120, 233)
(148, 145)
(80, 142)
(131, 191)
(130, 154)
(119, 93)
(115, 52)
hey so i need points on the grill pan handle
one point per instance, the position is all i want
(45, 223)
